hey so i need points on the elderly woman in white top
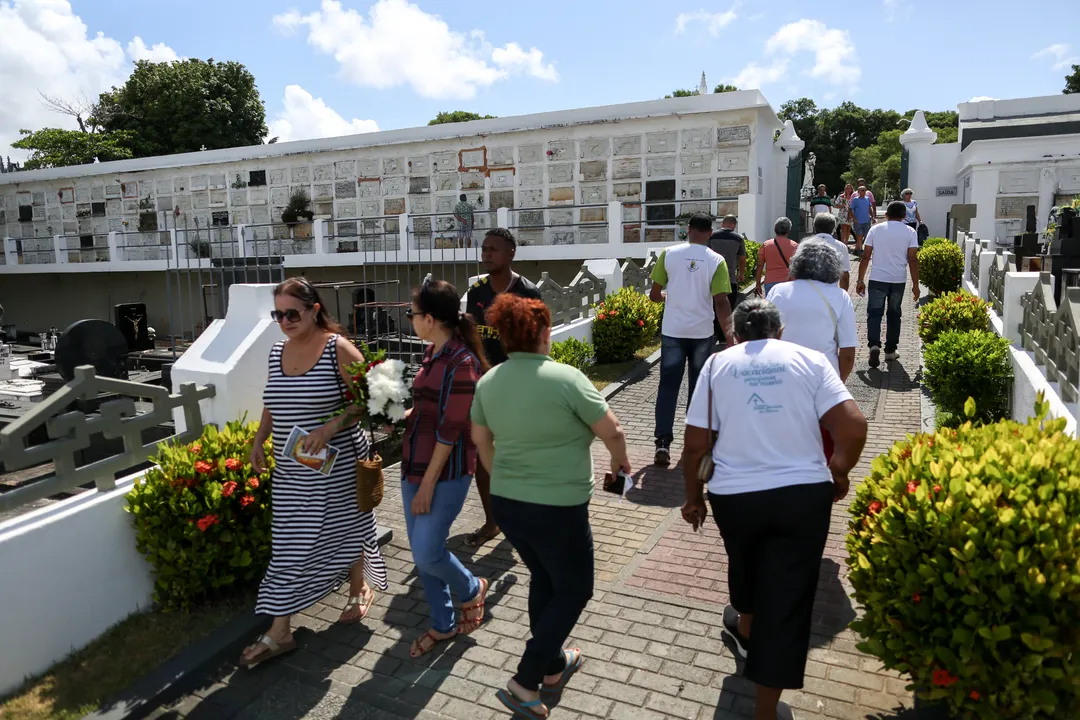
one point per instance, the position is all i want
(816, 313)
(771, 490)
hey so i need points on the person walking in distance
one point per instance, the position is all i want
(463, 218)
(698, 285)
(824, 225)
(731, 246)
(774, 260)
(894, 247)
(497, 255)
(861, 182)
(862, 215)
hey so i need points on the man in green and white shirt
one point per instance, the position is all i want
(698, 283)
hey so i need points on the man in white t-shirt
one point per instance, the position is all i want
(894, 248)
(824, 225)
(698, 283)
(771, 490)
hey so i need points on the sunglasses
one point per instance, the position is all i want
(292, 315)
(410, 313)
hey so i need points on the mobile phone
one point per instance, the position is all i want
(619, 484)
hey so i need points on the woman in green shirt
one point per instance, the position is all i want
(533, 423)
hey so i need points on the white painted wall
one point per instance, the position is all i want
(928, 165)
(580, 329)
(232, 356)
(69, 571)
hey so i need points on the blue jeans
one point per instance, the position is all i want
(674, 354)
(440, 571)
(770, 286)
(880, 294)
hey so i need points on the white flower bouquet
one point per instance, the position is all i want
(378, 387)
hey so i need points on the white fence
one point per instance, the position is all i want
(1043, 333)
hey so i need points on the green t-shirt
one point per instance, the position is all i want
(539, 412)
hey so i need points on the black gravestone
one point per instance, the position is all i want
(131, 319)
(1027, 244)
(92, 342)
(1064, 248)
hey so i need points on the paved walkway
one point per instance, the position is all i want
(651, 633)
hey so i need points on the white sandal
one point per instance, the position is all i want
(273, 649)
(358, 601)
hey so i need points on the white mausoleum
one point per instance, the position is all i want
(1010, 154)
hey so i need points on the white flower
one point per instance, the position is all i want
(373, 408)
(396, 412)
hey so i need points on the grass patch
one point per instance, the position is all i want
(607, 373)
(128, 650)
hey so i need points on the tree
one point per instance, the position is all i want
(53, 147)
(183, 106)
(681, 93)
(1072, 82)
(458, 116)
(722, 88)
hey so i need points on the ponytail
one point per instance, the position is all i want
(466, 328)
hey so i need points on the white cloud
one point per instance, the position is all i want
(1059, 54)
(47, 48)
(713, 22)
(160, 52)
(981, 98)
(835, 59)
(891, 8)
(400, 44)
(304, 117)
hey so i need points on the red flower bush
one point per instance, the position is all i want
(942, 678)
(203, 529)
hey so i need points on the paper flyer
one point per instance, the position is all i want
(322, 462)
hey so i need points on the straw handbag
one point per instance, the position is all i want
(369, 481)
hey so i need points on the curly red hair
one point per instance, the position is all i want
(520, 322)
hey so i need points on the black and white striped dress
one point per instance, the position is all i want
(318, 532)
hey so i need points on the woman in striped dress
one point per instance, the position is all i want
(319, 537)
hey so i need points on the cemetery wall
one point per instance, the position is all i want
(679, 149)
(932, 177)
(42, 300)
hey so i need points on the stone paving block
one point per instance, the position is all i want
(585, 703)
(673, 707)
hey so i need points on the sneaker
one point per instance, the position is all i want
(892, 355)
(729, 626)
(874, 352)
(663, 455)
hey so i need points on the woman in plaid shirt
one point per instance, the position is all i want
(439, 458)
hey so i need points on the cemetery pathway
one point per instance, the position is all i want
(651, 633)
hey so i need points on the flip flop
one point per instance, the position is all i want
(524, 708)
(574, 661)
(273, 649)
(364, 602)
(478, 538)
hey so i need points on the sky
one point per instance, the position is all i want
(336, 67)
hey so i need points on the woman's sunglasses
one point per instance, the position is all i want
(410, 313)
(292, 315)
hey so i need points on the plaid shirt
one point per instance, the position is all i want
(442, 398)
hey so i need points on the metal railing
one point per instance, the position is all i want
(667, 223)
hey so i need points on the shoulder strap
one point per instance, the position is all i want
(832, 313)
(777, 246)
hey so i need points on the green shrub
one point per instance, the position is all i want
(625, 321)
(973, 364)
(959, 311)
(964, 552)
(930, 241)
(573, 352)
(941, 267)
(202, 516)
(753, 249)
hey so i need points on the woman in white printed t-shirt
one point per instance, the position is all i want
(816, 313)
(771, 490)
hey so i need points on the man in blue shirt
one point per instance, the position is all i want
(862, 216)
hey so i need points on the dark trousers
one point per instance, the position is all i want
(775, 540)
(882, 295)
(733, 299)
(556, 544)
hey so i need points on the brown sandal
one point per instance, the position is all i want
(418, 649)
(469, 624)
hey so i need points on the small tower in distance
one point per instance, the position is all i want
(703, 88)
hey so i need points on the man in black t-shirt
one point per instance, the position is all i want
(496, 254)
